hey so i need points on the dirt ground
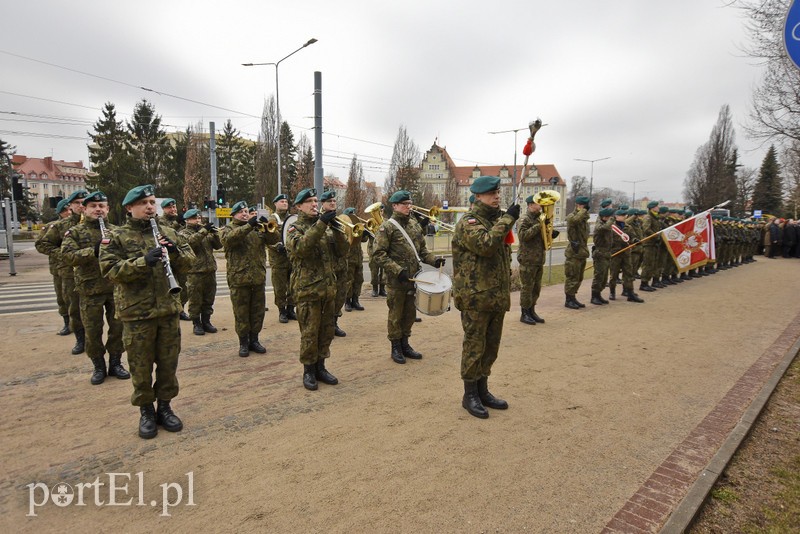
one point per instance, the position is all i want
(598, 398)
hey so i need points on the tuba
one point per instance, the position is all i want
(374, 211)
(547, 200)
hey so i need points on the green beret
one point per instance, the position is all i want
(304, 195)
(529, 200)
(606, 203)
(641, 212)
(632, 211)
(582, 200)
(167, 201)
(239, 206)
(624, 207)
(138, 193)
(400, 196)
(606, 212)
(663, 209)
(485, 184)
(191, 213)
(472, 199)
(652, 204)
(621, 212)
(97, 196)
(675, 210)
(280, 197)
(688, 213)
(349, 211)
(62, 205)
(327, 195)
(77, 195)
(253, 209)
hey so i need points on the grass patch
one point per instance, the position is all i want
(783, 512)
(726, 495)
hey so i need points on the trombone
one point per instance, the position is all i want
(433, 215)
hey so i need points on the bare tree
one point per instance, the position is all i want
(266, 178)
(791, 168)
(745, 185)
(711, 178)
(354, 195)
(404, 169)
(198, 166)
(305, 166)
(579, 187)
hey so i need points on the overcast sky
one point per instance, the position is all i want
(639, 81)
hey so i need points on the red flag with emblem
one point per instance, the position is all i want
(690, 242)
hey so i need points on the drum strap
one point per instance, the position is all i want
(403, 231)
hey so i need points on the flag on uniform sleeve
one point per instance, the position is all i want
(690, 242)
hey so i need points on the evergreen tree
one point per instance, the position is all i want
(768, 193)
(148, 143)
(175, 166)
(288, 158)
(404, 169)
(113, 167)
(6, 151)
(227, 151)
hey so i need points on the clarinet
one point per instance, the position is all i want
(173, 284)
(103, 235)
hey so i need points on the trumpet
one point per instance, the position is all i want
(269, 227)
(346, 226)
(370, 225)
(433, 215)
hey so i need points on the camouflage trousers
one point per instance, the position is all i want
(402, 311)
(636, 259)
(650, 264)
(280, 286)
(153, 342)
(573, 274)
(355, 278)
(182, 279)
(201, 289)
(341, 290)
(73, 301)
(93, 307)
(63, 307)
(248, 309)
(622, 263)
(601, 265)
(316, 320)
(531, 278)
(482, 333)
(376, 276)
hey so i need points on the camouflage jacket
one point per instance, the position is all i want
(602, 238)
(355, 256)
(51, 258)
(531, 244)
(577, 235)
(170, 221)
(633, 227)
(78, 250)
(617, 243)
(203, 244)
(339, 261)
(50, 244)
(246, 253)
(313, 260)
(482, 260)
(651, 225)
(278, 260)
(393, 252)
(142, 292)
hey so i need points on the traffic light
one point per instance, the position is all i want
(16, 187)
(206, 203)
(54, 201)
(220, 198)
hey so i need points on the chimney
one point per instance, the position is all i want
(48, 162)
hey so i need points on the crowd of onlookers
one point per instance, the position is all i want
(782, 238)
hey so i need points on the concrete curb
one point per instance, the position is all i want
(683, 515)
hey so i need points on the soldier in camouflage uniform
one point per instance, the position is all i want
(621, 262)
(376, 275)
(577, 251)
(63, 211)
(50, 244)
(530, 256)
(355, 269)
(81, 248)
(601, 253)
(327, 205)
(171, 219)
(201, 284)
(281, 268)
(314, 284)
(633, 227)
(245, 242)
(400, 261)
(481, 289)
(650, 226)
(151, 331)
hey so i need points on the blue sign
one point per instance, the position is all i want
(791, 33)
(444, 204)
(756, 214)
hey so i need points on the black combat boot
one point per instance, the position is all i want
(571, 303)
(532, 312)
(596, 298)
(685, 276)
(310, 377)
(612, 293)
(579, 303)
(526, 317)
(65, 331)
(397, 352)
(197, 327)
(625, 292)
(356, 305)
(100, 372)
(205, 320)
(244, 346)
(472, 402)
(255, 345)
(290, 312)
(147, 422)
(489, 400)
(323, 375)
(80, 341)
(644, 286)
(374, 290)
(167, 418)
(382, 291)
(657, 284)
(408, 352)
(348, 307)
(338, 332)
(600, 296)
(283, 316)
(676, 279)
(633, 297)
(184, 316)
(115, 367)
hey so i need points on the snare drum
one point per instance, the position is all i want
(433, 292)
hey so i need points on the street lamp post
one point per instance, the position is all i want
(591, 176)
(278, 102)
(634, 182)
(514, 183)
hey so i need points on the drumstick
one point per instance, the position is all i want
(421, 281)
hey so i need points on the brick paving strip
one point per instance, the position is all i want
(668, 501)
